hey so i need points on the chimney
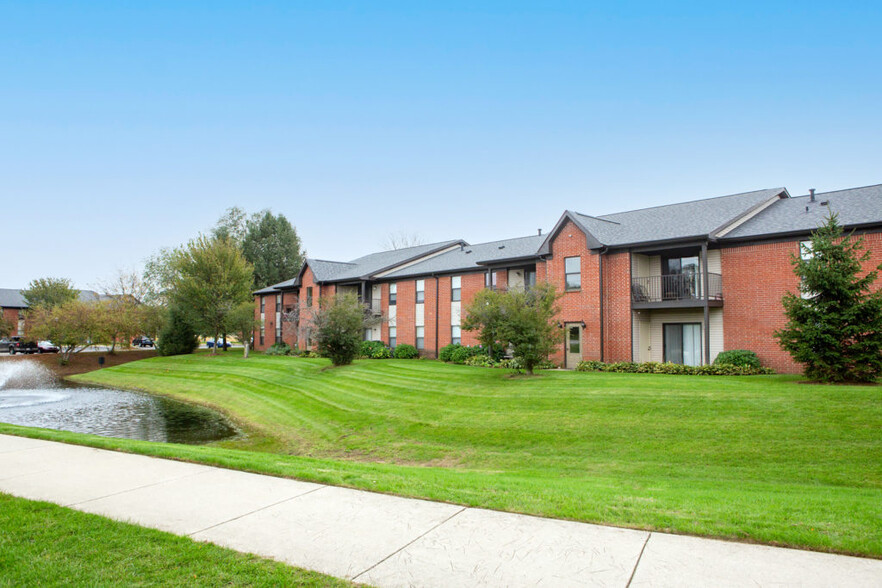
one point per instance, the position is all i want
(811, 194)
(540, 232)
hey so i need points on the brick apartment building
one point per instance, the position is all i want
(678, 283)
(13, 306)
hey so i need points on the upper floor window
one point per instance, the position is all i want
(456, 288)
(529, 279)
(420, 291)
(490, 280)
(278, 303)
(806, 253)
(262, 304)
(573, 272)
(309, 296)
(393, 294)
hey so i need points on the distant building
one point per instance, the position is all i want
(677, 283)
(13, 306)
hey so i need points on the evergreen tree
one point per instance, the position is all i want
(835, 327)
(178, 336)
(272, 246)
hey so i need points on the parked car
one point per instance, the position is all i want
(16, 344)
(210, 344)
(143, 341)
(46, 347)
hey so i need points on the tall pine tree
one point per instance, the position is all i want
(835, 327)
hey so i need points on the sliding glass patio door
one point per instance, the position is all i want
(683, 343)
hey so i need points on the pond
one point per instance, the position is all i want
(31, 396)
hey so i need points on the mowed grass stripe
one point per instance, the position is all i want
(765, 458)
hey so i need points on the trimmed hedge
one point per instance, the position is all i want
(654, 367)
(405, 351)
(742, 357)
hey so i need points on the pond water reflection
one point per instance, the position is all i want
(107, 412)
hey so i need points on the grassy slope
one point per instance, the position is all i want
(760, 458)
(43, 544)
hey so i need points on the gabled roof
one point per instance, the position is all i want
(684, 220)
(472, 257)
(855, 207)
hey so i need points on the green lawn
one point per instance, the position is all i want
(45, 545)
(761, 458)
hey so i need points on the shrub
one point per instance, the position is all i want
(405, 351)
(178, 336)
(481, 360)
(374, 350)
(280, 348)
(462, 353)
(339, 326)
(741, 357)
(652, 367)
(447, 351)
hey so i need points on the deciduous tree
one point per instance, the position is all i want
(242, 322)
(523, 320)
(338, 327)
(210, 278)
(72, 325)
(49, 292)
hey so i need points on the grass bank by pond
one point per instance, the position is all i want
(760, 458)
(42, 544)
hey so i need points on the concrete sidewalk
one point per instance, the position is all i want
(389, 541)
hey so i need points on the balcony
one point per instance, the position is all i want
(676, 291)
(376, 307)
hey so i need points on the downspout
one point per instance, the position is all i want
(600, 288)
(630, 303)
(706, 298)
(436, 316)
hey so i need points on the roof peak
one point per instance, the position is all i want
(842, 190)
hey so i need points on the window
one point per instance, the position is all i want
(682, 343)
(456, 288)
(681, 278)
(393, 294)
(262, 304)
(490, 280)
(805, 253)
(573, 271)
(392, 338)
(529, 279)
(455, 335)
(574, 340)
(278, 317)
(420, 291)
(309, 296)
(420, 338)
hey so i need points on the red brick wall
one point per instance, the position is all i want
(471, 285)
(617, 307)
(405, 315)
(755, 278)
(583, 304)
(443, 312)
(11, 316)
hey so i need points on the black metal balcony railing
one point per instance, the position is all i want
(676, 287)
(376, 307)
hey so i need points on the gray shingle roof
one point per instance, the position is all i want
(683, 220)
(856, 206)
(472, 257)
(12, 298)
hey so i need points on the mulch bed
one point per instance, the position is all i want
(81, 363)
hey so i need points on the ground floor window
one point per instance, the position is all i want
(420, 338)
(455, 334)
(682, 343)
(392, 336)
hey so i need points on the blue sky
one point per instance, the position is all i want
(126, 127)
